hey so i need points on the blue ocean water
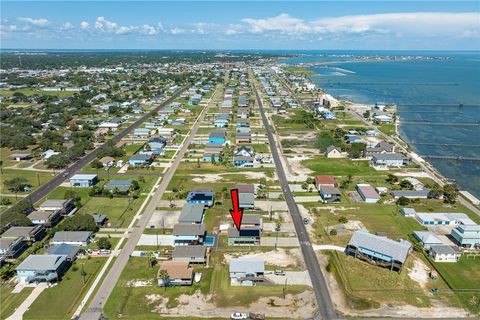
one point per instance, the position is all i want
(425, 91)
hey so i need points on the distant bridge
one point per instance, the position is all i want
(445, 144)
(423, 122)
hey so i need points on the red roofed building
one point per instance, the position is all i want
(325, 181)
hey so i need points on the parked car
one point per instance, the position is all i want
(65, 174)
(238, 316)
(279, 272)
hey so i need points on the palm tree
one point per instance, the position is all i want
(163, 274)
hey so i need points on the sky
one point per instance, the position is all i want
(217, 25)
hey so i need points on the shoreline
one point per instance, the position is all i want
(437, 176)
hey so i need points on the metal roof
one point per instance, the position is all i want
(63, 249)
(192, 213)
(189, 252)
(188, 229)
(82, 176)
(442, 249)
(41, 262)
(71, 236)
(427, 237)
(247, 265)
(55, 203)
(410, 193)
(252, 219)
(398, 250)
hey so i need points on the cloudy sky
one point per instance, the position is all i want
(287, 25)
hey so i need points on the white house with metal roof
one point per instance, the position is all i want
(246, 271)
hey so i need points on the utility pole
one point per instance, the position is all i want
(285, 289)
(156, 231)
(38, 179)
(83, 273)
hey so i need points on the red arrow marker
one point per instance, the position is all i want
(236, 212)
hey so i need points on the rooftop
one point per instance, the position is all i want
(189, 252)
(188, 229)
(247, 265)
(177, 269)
(41, 262)
(192, 213)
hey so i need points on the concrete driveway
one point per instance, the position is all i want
(18, 314)
(284, 227)
(151, 240)
(292, 277)
(275, 205)
(282, 242)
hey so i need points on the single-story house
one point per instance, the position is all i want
(378, 250)
(192, 213)
(140, 159)
(185, 234)
(190, 254)
(83, 180)
(142, 132)
(444, 253)
(330, 194)
(68, 250)
(243, 135)
(410, 194)
(426, 239)
(12, 247)
(333, 152)
(157, 145)
(179, 274)
(21, 156)
(325, 181)
(42, 268)
(205, 198)
(213, 148)
(246, 271)
(100, 219)
(120, 185)
(367, 193)
(221, 123)
(247, 236)
(31, 234)
(81, 238)
(107, 161)
(408, 212)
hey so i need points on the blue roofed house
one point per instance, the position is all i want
(140, 160)
(205, 198)
(156, 145)
(218, 136)
(42, 268)
(68, 250)
(195, 100)
(328, 115)
(378, 250)
(83, 180)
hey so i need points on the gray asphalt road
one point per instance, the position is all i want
(56, 181)
(94, 311)
(324, 302)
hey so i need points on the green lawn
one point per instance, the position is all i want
(340, 167)
(59, 302)
(11, 301)
(465, 274)
(388, 129)
(33, 178)
(116, 209)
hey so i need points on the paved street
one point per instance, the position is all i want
(94, 311)
(324, 302)
(56, 181)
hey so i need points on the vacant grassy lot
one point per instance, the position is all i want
(118, 210)
(31, 92)
(64, 297)
(11, 301)
(33, 178)
(388, 129)
(340, 167)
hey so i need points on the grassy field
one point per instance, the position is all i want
(116, 209)
(300, 71)
(33, 178)
(340, 167)
(64, 297)
(11, 301)
(388, 129)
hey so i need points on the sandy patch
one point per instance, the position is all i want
(295, 171)
(207, 177)
(217, 177)
(419, 174)
(281, 257)
(419, 272)
(139, 283)
(333, 209)
(354, 225)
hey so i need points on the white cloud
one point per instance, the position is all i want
(84, 25)
(35, 22)
(281, 23)
(67, 26)
(177, 30)
(428, 24)
(148, 30)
